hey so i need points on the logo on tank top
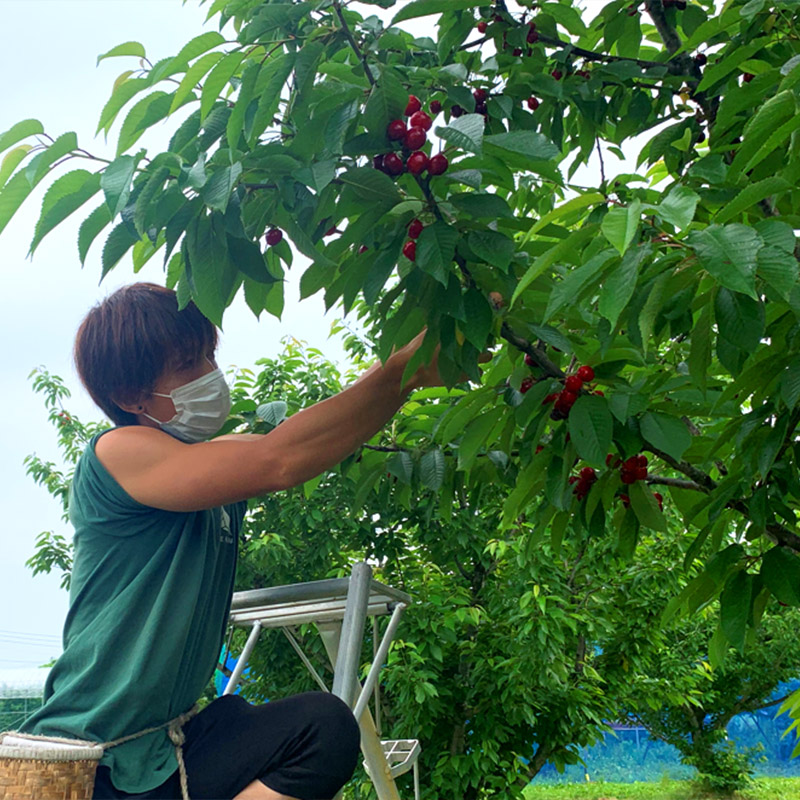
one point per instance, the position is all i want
(225, 535)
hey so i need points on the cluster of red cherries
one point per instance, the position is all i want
(565, 399)
(413, 137)
(583, 482)
(415, 228)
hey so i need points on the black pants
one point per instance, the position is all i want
(305, 746)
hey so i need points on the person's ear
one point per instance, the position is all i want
(132, 408)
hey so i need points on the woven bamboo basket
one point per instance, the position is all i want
(42, 772)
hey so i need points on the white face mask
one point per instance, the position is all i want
(201, 408)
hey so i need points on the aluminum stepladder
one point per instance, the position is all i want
(339, 607)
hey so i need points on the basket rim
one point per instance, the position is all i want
(89, 754)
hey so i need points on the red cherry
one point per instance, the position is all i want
(436, 106)
(585, 373)
(413, 106)
(626, 501)
(529, 360)
(331, 231)
(600, 392)
(362, 249)
(587, 473)
(747, 77)
(456, 111)
(627, 478)
(550, 398)
(414, 138)
(377, 162)
(482, 26)
(274, 236)
(641, 461)
(415, 228)
(410, 250)
(480, 108)
(517, 52)
(641, 473)
(532, 36)
(572, 479)
(420, 120)
(533, 103)
(417, 163)
(701, 59)
(631, 463)
(539, 448)
(567, 399)
(557, 74)
(393, 164)
(526, 384)
(396, 130)
(438, 164)
(573, 383)
(660, 500)
(479, 95)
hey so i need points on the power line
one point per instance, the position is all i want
(25, 635)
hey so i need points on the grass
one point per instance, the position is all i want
(762, 789)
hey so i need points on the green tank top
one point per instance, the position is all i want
(149, 602)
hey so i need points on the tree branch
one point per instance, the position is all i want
(353, 42)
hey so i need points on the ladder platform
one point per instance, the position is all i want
(314, 601)
(400, 754)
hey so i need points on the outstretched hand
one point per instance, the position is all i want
(427, 375)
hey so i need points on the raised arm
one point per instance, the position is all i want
(160, 471)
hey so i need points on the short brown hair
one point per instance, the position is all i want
(131, 339)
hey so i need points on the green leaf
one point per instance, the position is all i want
(217, 80)
(124, 92)
(116, 183)
(476, 435)
(273, 412)
(64, 196)
(576, 204)
(432, 469)
(574, 282)
(217, 191)
(700, 348)
(530, 144)
(740, 319)
(371, 186)
(565, 249)
(435, 250)
(735, 604)
(246, 94)
(752, 194)
(119, 241)
(422, 8)
(493, 247)
(729, 254)
(620, 224)
(40, 165)
(780, 570)
(143, 115)
(248, 258)
(12, 197)
(678, 207)
(619, 286)
(645, 506)
(665, 433)
(213, 274)
(19, 131)
(401, 466)
(732, 57)
(199, 45)
(481, 205)
(125, 49)
(591, 427)
(465, 132)
(790, 383)
(90, 229)
(779, 269)
(479, 319)
(11, 161)
(192, 77)
(387, 101)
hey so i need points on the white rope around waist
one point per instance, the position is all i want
(28, 745)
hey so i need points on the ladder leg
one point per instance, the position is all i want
(371, 747)
(243, 658)
(345, 673)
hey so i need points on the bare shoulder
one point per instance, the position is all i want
(133, 444)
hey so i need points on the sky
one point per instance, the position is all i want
(48, 71)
